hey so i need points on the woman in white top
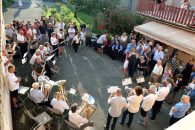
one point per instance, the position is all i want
(32, 38)
(76, 41)
(60, 36)
(54, 43)
(22, 41)
(42, 51)
(124, 39)
(133, 105)
(47, 48)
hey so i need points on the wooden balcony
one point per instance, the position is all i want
(168, 14)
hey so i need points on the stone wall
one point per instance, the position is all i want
(5, 107)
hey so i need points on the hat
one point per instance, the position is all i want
(35, 85)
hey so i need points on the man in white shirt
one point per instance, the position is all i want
(161, 95)
(75, 118)
(13, 83)
(117, 103)
(133, 105)
(100, 42)
(38, 95)
(6, 61)
(58, 103)
(157, 72)
(71, 33)
(148, 102)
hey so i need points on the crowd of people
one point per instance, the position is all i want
(166, 78)
(41, 43)
(45, 37)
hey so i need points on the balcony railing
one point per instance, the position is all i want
(166, 13)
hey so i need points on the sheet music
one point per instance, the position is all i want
(72, 91)
(23, 90)
(126, 81)
(171, 112)
(112, 89)
(24, 61)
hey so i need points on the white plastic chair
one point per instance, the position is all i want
(39, 127)
(43, 118)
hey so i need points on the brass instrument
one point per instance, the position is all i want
(61, 88)
(87, 107)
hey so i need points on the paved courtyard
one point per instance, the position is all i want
(86, 72)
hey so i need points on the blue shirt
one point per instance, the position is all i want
(182, 108)
(193, 75)
(158, 55)
(117, 47)
(129, 48)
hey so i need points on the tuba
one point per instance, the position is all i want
(87, 107)
(61, 88)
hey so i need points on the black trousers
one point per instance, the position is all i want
(156, 108)
(55, 47)
(143, 113)
(173, 120)
(23, 48)
(109, 118)
(125, 113)
(152, 64)
(75, 47)
(46, 103)
(88, 41)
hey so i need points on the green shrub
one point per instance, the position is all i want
(66, 14)
(7, 3)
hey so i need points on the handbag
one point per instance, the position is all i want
(140, 79)
(126, 63)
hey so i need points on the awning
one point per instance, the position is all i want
(172, 36)
(186, 123)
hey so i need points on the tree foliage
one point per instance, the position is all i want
(121, 20)
(95, 6)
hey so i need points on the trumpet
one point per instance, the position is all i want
(60, 85)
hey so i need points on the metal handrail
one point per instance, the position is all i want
(166, 13)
